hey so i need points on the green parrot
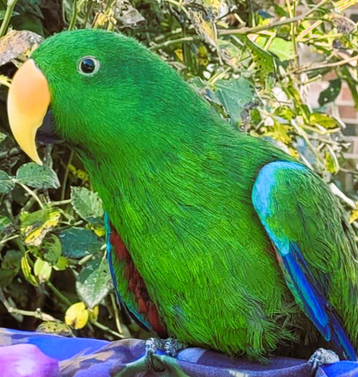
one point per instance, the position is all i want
(215, 238)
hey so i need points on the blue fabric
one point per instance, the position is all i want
(45, 355)
(54, 346)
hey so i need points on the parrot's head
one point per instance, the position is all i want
(90, 88)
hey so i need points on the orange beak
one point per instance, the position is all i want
(28, 101)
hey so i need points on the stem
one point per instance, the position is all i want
(318, 131)
(8, 306)
(341, 5)
(32, 193)
(21, 246)
(288, 21)
(65, 177)
(219, 76)
(5, 23)
(164, 36)
(89, 8)
(9, 239)
(344, 4)
(74, 16)
(58, 293)
(105, 328)
(324, 66)
(116, 313)
(172, 42)
(319, 37)
(336, 191)
(349, 171)
(84, 260)
(8, 207)
(37, 314)
(292, 11)
(180, 6)
(308, 142)
(28, 205)
(61, 202)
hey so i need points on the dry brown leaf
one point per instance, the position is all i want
(18, 45)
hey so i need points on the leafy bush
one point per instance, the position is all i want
(245, 58)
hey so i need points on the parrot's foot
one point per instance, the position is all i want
(170, 346)
(151, 347)
(320, 357)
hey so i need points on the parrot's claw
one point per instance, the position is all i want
(172, 346)
(151, 347)
(320, 357)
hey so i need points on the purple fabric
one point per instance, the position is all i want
(27, 354)
(26, 360)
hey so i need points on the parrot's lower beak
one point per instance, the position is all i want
(28, 102)
(46, 133)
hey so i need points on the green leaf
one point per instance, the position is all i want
(51, 249)
(10, 266)
(352, 84)
(331, 162)
(331, 93)
(37, 224)
(6, 184)
(285, 112)
(42, 270)
(323, 120)
(280, 11)
(26, 270)
(55, 327)
(79, 242)
(280, 47)
(235, 95)
(229, 52)
(61, 264)
(94, 282)
(37, 176)
(204, 90)
(6, 226)
(265, 61)
(86, 203)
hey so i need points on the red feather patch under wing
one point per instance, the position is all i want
(136, 285)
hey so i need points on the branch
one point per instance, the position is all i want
(173, 41)
(14, 311)
(105, 328)
(324, 66)
(253, 30)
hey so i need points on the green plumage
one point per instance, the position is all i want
(177, 183)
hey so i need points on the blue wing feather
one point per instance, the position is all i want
(297, 273)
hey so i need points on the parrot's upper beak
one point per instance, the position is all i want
(28, 101)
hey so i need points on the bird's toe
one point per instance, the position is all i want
(320, 357)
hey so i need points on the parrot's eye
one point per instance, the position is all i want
(88, 66)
